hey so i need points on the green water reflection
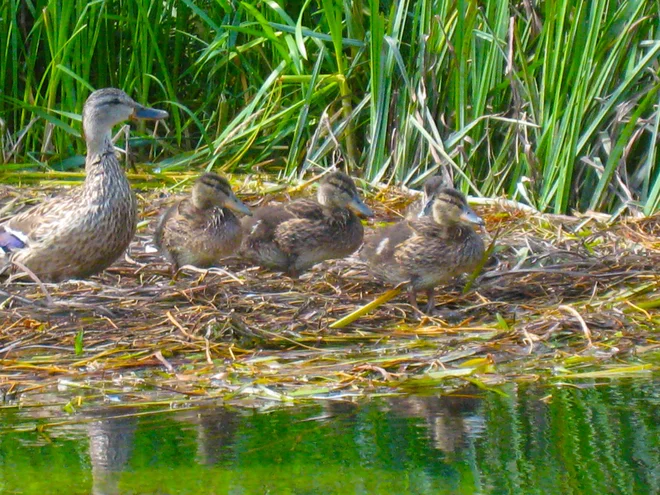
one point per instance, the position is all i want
(601, 440)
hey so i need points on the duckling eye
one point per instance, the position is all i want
(350, 192)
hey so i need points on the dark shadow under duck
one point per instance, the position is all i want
(84, 231)
(202, 229)
(429, 250)
(295, 236)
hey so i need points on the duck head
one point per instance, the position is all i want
(212, 190)
(108, 107)
(449, 206)
(432, 187)
(338, 189)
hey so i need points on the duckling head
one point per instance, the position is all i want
(338, 189)
(212, 190)
(106, 108)
(448, 206)
(433, 185)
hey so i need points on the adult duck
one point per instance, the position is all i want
(83, 231)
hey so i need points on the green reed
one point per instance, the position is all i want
(551, 103)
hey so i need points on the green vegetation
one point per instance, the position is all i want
(553, 103)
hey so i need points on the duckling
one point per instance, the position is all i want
(83, 231)
(202, 230)
(432, 186)
(293, 237)
(429, 250)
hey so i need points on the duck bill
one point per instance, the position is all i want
(470, 216)
(238, 206)
(144, 113)
(359, 207)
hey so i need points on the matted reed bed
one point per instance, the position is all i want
(562, 298)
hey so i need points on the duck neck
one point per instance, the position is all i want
(103, 171)
(98, 138)
(200, 202)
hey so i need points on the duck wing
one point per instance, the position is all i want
(31, 226)
(263, 225)
(302, 234)
(307, 209)
(10, 241)
(380, 246)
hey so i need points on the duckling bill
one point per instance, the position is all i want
(84, 231)
(202, 230)
(430, 250)
(295, 236)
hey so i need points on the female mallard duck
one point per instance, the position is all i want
(295, 236)
(429, 250)
(202, 230)
(83, 231)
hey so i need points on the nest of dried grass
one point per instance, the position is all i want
(561, 296)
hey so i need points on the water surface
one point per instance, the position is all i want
(533, 440)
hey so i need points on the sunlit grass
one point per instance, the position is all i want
(553, 104)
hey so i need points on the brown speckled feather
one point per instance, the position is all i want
(295, 236)
(81, 232)
(423, 252)
(188, 235)
(309, 241)
(435, 254)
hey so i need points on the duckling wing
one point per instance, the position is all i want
(329, 235)
(306, 209)
(308, 242)
(380, 251)
(301, 234)
(290, 236)
(264, 223)
(381, 245)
